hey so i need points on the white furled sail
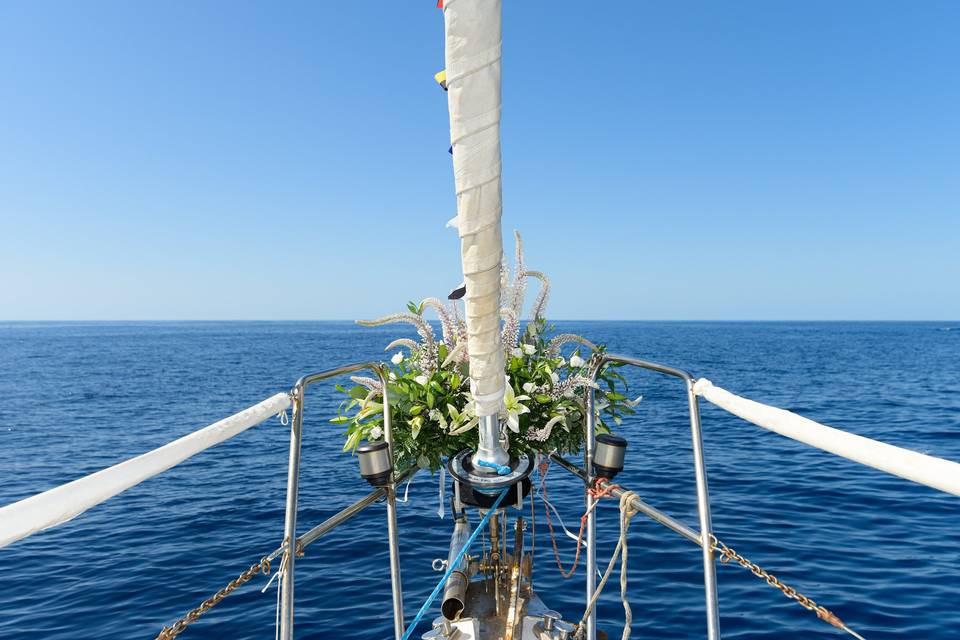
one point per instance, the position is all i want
(472, 30)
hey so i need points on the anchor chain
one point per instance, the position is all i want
(260, 568)
(727, 554)
(168, 633)
(602, 489)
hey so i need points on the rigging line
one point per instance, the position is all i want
(452, 566)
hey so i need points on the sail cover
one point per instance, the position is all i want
(472, 30)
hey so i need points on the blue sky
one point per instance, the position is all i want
(696, 160)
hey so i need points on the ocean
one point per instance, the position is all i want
(882, 553)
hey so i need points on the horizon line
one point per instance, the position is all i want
(279, 320)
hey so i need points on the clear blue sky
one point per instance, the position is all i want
(695, 160)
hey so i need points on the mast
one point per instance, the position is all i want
(472, 31)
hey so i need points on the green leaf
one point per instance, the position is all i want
(359, 392)
(416, 409)
(542, 398)
(430, 399)
(340, 420)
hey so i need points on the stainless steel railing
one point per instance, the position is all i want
(703, 498)
(703, 504)
(293, 483)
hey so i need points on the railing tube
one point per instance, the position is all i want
(290, 519)
(394, 543)
(293, 481)
(589, 443)
(703, 510)
(703, 496)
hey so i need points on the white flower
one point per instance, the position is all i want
(422, 379)
(576, 361)
(554, 377)
(461, 422)
(375, 433)
(434, 415)
(514, 408)
(529, 387)
(516, 352)
(392, 376)
(415, 425)
(529, 349)
(563, 361)
(397, 357)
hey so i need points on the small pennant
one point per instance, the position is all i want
(439, 4)
(450, 150)
(441, 78)
(459, 292)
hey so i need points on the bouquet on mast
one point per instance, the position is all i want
(431, 406)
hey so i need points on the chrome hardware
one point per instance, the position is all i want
(564, 630)
(439, 565)
(442, 630)
(549, 619)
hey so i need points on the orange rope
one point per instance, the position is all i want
(597, 492)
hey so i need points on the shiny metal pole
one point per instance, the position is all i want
(589, 442)
(703, 498)
(703, 510)
(396, 585)
(617, 491)
(293, 484)
(290, 519)
(489, 448)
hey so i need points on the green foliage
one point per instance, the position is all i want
(432, 410)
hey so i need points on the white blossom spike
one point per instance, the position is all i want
(428, 352)
(553, 348)
(371, 384)
(540, 303)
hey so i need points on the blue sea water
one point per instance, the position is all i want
(882, 553)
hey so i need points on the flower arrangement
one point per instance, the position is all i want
(429, 391)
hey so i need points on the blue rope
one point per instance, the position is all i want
(453, 566)
(502, 469)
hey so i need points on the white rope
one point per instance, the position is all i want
(279, 572)
(627, 511)
(58, 505)
(406, 490)
(928, 470)
(559, 519)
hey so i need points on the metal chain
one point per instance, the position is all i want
(727, 554)
(260, 568)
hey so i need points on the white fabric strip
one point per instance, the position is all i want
(934, 472)
(472, 29)
(58, 505)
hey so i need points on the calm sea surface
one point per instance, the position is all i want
(882, 553)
